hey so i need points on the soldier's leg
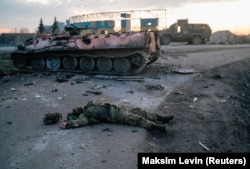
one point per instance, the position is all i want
(138, 120)
(145, 114)
(151, 116)
(165, 119)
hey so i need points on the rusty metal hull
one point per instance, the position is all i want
(106, 54)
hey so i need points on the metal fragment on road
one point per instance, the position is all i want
(29, 84)
(154, 87)
(94, 92)
(97, 87)
(125, 101)
(38, 96)
(184, 71)
(83, 147)
(205, 147)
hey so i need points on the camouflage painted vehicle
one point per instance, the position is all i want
(122, 54)
(182, 31)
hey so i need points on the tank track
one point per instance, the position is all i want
(136, 66)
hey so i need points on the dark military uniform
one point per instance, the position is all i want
(94, 113)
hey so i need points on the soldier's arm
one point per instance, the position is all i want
(80, 122)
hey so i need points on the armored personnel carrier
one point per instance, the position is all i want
(182, 31)
(121, 54)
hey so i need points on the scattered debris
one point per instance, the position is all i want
(131, 91)
(178, 93)
(216, 77)
(96, 87)
(125, 101)
(83, 147)
(63, 77)
(138, 79)
(107, 129)
(154, 87)
(60, 77)
(134, 131)
(205, 147)
(120, 78)
(223, 100)
(60, 98)
(9, 122)
(94, 92)
(54, 90)
(184, 71)
(38, 96)
(29, 84)
(81, 81)
(104, 77)
(195, 99)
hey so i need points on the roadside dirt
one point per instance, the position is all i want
(210, 107)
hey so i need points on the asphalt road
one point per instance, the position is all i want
(26, 142)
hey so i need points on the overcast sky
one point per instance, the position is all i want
(219, 14)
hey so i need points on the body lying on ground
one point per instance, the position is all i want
(95, 113)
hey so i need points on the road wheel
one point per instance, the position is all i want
(122, 65)
(137, 59)
(165, 40)
(53, 63)
(37, 64)
(87, 64)
(69, 62)
(104, 64)
(20, 63)
(197, 40)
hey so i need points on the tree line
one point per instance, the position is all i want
(41, 28)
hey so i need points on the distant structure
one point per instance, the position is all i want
(13, 39)
(122, 21)
(223, 37)
(49, 29)
(136, 21)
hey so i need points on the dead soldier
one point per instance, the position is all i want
(94, 113)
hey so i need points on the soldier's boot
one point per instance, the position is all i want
(165, 119)
(159, 127)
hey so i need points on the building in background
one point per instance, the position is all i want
(12, 39)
